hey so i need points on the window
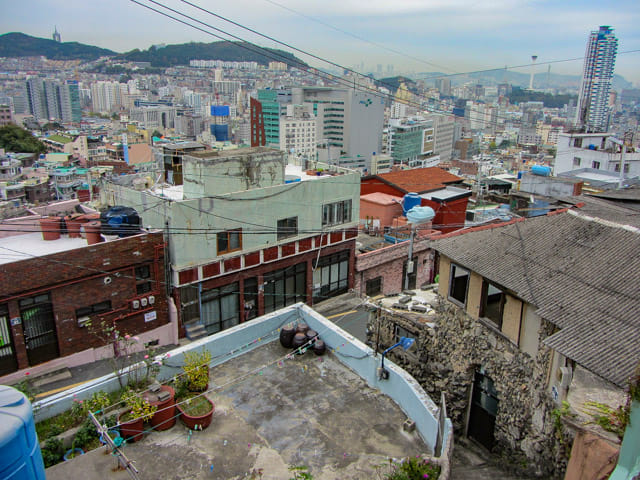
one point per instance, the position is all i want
(577, 142)
(595, 165)
(374, 287)
(336, 213)
(143, 279)
(94, 309)
(285, 287)
(576, 161)
(220, 308)
(492, 303)
(458, 284)
(331, 275)
(229, 241)
(287, 227)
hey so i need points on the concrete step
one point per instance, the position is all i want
(195, 331)
(51, 376)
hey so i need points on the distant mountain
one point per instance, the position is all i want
(18, 44)
(181, 54)
(393, 83)
(540, 79)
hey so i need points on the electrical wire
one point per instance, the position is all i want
(288, 60)
(263, 51)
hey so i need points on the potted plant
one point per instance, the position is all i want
(196, 410)
(196, 369)
(139, 411)
(163, 398)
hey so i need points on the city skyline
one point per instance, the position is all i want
(438, 36)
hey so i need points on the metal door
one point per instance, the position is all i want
(484, 408)
(39, 327)
(8, 361)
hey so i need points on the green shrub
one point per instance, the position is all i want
(52, 452)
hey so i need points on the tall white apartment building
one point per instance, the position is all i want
(599, 60)
(107, 96)
(298, 132)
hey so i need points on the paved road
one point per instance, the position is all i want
(344, 312)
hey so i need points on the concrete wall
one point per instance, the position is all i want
(529, 331)
(217, 173)
(256, 211)
(511, 316)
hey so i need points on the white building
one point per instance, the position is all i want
(599, 60)
(346, 118)
(598, 151)
(107, 96)
(298, 132)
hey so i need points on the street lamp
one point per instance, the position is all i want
(406, 343)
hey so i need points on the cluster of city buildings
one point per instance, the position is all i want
(255, 188)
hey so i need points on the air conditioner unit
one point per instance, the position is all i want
(82, 321)
(152, 299)
(135, 304)
(565, 374)
(143, 302)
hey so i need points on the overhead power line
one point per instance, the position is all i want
(278, 57)
(322, 59)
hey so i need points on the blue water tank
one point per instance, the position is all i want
(409, 201)
(20, 456)
(542, 170)
(418, 215)
(519, 175)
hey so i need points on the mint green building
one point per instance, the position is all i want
(274, 106)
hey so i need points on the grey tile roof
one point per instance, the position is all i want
(582, 274)
(626, 214)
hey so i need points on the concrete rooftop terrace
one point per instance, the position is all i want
(309, 411)
(275, 410)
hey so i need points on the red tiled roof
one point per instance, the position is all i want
(420, 180)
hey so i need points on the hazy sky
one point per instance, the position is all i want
(455, 35)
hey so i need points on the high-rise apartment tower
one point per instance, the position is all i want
(599, 60)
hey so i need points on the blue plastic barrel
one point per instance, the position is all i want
(20, 456)
(409, 201)
(542, 170)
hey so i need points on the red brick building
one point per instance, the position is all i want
(51, 290)
(437, 188)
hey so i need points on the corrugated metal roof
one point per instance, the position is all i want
(582, 274)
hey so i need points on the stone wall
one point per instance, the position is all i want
(448, 354)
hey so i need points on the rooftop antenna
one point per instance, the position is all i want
(533, 64)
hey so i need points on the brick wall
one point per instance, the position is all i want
(84, 277)
(388, 263)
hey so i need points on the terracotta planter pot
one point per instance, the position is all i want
(50, 227)
(73, 226)
(164, 418)
(131, 430)
(92, 229)
(202, 421)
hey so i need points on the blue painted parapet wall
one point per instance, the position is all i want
(400, 386)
